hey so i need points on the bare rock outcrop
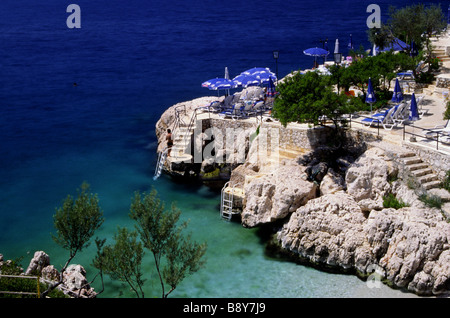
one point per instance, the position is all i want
(74, 278)
(39, 261)
(367, 178)
(329, 230)
(352, 230)
(274, 196)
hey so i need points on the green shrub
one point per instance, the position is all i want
(390, 201)
(431, 201)
(446, 182)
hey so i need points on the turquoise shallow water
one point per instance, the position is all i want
(236, 263)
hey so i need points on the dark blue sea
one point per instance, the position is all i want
(80, 104)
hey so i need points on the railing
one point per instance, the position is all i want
(23, 293)
(429, 130)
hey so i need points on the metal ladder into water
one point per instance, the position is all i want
(160, 164)
(226, 203)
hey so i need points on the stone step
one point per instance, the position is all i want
(186, 128)
(412, 160)
(431, 185)
(427, 178)
(417, 166)
(422, 172)
(406, 154)
(179, 159)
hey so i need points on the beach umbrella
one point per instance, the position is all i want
(315, 51)
(264, 78)
(397, 96)
(227, 75)
(258, 71)
(245, 80)
(336, 46)
(350, 43)
(262, 74)
(413, 114)
(370, 97)
(271, 88)
(396, 45)
(374, 50)
(413, 110)
(219, 84)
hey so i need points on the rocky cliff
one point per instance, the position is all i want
(345, 226)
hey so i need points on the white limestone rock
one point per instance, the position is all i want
(367, 179)
(37, 263)
(274, 196)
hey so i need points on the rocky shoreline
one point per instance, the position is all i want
(325, 206)
(75, 284)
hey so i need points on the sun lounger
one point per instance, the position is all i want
(385, 119)
(214, 107)
(422, 111)
(401, 113)
(442, 130)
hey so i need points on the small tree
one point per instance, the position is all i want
(161, 234)
(122, 260)
(76, 222)
(308, 97)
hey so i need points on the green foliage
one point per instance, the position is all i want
(447, 110)
(307, 97)
(160, 233)
(412, 23)
(122, 261)
(77, 220)
(390, 201)
(431, 201)
(22, 284)
(446, 182)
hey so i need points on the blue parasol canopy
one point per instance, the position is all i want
(370, 97)
(219, 83)
(245, 80)
(262, 74)
(316, 51)
(413, 111)
(397, 96)
(396, 45)
(256, 71)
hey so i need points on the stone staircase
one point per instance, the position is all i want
(432, 89)
(439, 52)
(420, 170)
(181, 143)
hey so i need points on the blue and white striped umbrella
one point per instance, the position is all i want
(258, 71)
(245, 80)
(219, 83)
